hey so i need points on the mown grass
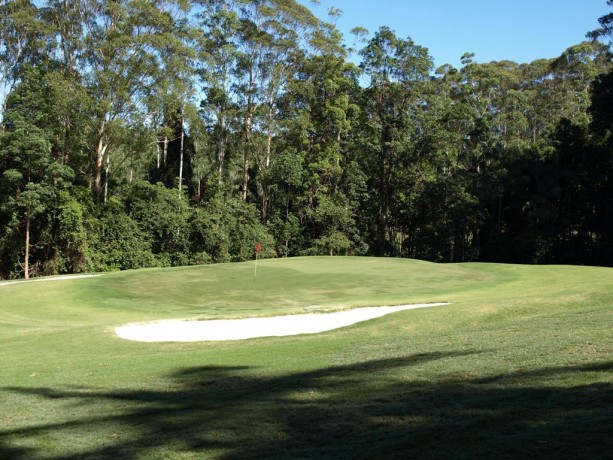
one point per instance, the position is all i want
(520, 365)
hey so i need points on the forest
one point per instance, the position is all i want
(142, 133)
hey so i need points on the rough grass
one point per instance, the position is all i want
(521, 365)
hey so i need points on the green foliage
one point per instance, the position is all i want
(287, 233)
(162, 215)
(333, 225)
(72, 243)
(30, 182)
(292, 145)
(117, 241)
(227, 231)
(151, 225)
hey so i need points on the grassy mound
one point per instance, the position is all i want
(519, 366)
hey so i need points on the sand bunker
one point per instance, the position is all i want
(177, 330)
(41, 280)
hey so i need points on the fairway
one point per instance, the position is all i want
(519, 364)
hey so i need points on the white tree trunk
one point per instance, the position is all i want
(26, 260)
(106, 176)
(100, 153)
(181, 156)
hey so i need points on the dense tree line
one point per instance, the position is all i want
(154, 133)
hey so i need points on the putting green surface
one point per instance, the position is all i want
(520, 365)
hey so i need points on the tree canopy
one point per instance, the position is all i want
(153, 133)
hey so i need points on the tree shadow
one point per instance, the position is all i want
(371, 409)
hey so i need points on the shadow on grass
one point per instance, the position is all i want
(373, 409)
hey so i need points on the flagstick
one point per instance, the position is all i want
(255, 269)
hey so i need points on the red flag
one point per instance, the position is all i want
(258, 247)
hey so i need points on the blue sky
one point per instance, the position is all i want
(517, 30)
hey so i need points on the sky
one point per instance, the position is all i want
(494, 30)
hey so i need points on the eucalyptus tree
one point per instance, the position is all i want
(427, 200)
(21, 36)
(321, 114)
(289, 35)
(25, 151)
(270, 35)
(517, 112)
(538, 87)
(573, 71)
(217, 56)
(31, 176)
(497, 98)
(396, 69)
(122, 56)
(548, 90)
(248, 50)
(600, 106)
(600, 163)
(289, 29)
(252, 43)
(605, 31)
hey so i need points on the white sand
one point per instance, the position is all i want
(178, 330)
(40, 280)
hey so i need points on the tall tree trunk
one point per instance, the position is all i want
(107, 170)
(99, 163)
(382, 218)
(248, 121)
(26, 259)
(67, 132)
(181, 155)
(265, 201)
(246, 152)
(383, 196)
(221, 152)
(271, 116)
(265, 180)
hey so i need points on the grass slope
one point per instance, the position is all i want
(519, 366)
